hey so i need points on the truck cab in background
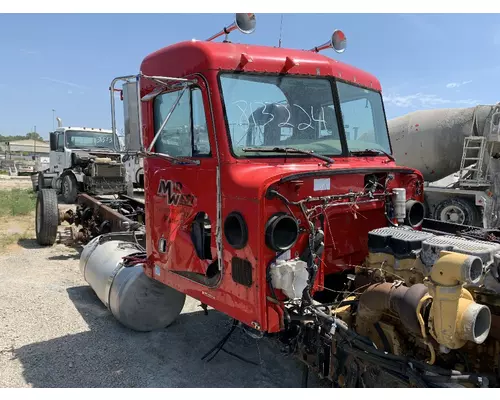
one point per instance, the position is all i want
(83, 160)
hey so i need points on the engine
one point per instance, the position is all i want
(103, 172)
(97, 164)
(423, 310)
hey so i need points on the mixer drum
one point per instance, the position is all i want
(431, 141)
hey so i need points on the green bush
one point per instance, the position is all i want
(17, 202)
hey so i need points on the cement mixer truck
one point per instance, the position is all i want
(458, 152)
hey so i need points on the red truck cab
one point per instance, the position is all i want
(259, 156)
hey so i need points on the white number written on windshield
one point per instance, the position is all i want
(266, 116)
(104, 139)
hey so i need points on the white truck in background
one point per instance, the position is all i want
(84, 160)
(458, 153)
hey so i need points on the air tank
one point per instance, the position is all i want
(431, 141)
(135, 300)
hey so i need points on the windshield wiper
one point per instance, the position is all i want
(288, 150)
(371, 152)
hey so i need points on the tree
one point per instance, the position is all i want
(33, 136)
(11, 138)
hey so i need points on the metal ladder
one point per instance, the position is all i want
(477, 146)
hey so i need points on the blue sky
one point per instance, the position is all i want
(66, 62)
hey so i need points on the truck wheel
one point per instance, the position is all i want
(47, 217)
(69, 189)
(40, 181)
(457, 211)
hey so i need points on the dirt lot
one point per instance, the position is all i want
(54, 332)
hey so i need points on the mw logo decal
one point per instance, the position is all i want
(173, 192)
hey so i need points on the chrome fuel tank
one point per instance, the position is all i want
(134, 299)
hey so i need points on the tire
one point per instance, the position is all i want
(40, 181)
(69, 189)
(457, 211)
(47, 217)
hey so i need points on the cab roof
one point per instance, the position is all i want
(79, 128)
(188, 57)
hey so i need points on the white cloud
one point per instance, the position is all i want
(63, 82)
(418, 100)
(453, 85)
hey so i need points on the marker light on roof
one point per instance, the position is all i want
(338, 42)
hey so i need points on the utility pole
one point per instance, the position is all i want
(53, 119)
(34, 139)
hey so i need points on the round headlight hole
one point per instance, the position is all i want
(282, 232)
(235, 230)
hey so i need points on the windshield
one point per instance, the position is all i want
(86, 140)
(363, 118)
(296, 112)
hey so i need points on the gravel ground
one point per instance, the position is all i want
(54, 332)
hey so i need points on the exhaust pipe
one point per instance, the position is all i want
(59, 122)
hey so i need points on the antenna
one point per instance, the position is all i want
(244, 22)
(281, 30)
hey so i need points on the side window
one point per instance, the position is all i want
(201, 146)
(60, 142)
(185, 133)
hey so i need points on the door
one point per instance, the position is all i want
(57, 157)
(181, 191)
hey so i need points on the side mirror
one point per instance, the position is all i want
(53, 141)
